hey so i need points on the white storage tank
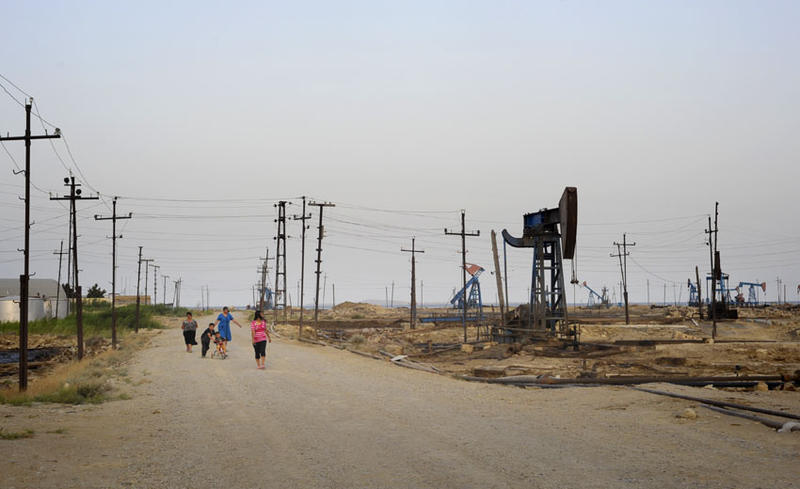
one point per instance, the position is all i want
(9, 309)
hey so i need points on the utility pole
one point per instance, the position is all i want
(208, 298)
(463, 235)
(320, 232)
(155, 284)
(392, 303)
(114, 217)
(73, 197)
(499, 278)
(60, 254)
(263, 282)
(24, 279)
(302, 218)
(280, 260)
(648, 291)
(422, 294)
(164, 290)
(622, 254)
(147, 264)
(712, 250)
(138, 280)
(324, 288)
(699, 292)
(413, 252)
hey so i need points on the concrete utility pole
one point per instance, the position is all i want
(155, 284)
(324, 288)
(148, 262)
(280, 261)
(499, 278)
(138, 280)
(320, 232)
(263, 286)
(114, 217)
(73, 197)
(413, 252)
(60, 254)
(622, 254)
(392, 296)
(164, 290)
(24, 279)
(463, 235)
(302, 218)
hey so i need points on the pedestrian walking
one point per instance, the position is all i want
(189, 328)
(223, 324)
(260, 337)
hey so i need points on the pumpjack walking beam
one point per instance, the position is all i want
(24, 279)
(413, 302)
(463, 235)
(320, 233)
(114, 217)
(74, 196)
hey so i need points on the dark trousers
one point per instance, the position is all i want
(206, 345)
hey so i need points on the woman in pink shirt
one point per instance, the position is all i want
(260, 336)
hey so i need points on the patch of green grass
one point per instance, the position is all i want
(96, 322)
(15, 435)
(357, 316)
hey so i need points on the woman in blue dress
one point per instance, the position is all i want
(223, 324)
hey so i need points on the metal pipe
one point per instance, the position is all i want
(721, 404)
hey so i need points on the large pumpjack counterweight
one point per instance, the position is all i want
(551, 233)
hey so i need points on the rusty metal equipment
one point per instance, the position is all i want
(552, 235)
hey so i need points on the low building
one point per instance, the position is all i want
(42, 295)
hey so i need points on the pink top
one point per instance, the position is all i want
(259, 329)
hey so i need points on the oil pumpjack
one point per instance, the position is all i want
(552, 234)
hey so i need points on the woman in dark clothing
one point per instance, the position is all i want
(189, 328)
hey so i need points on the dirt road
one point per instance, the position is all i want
(324, 418)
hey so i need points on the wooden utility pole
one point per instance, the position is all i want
(413, 252)
(114, 217)
(463, 235)
(712, 251)
(138, 281)
(302, 218)
(699, 293)
(499, 278)
(320, 232)
(24, 279)
(73, 197)
(622, 254)
(60, 254)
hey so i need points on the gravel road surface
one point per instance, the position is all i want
(319, 417)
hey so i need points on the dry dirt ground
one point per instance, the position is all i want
(319, 417)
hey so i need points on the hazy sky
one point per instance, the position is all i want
(200, 115)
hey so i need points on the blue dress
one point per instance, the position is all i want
(225, 326)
